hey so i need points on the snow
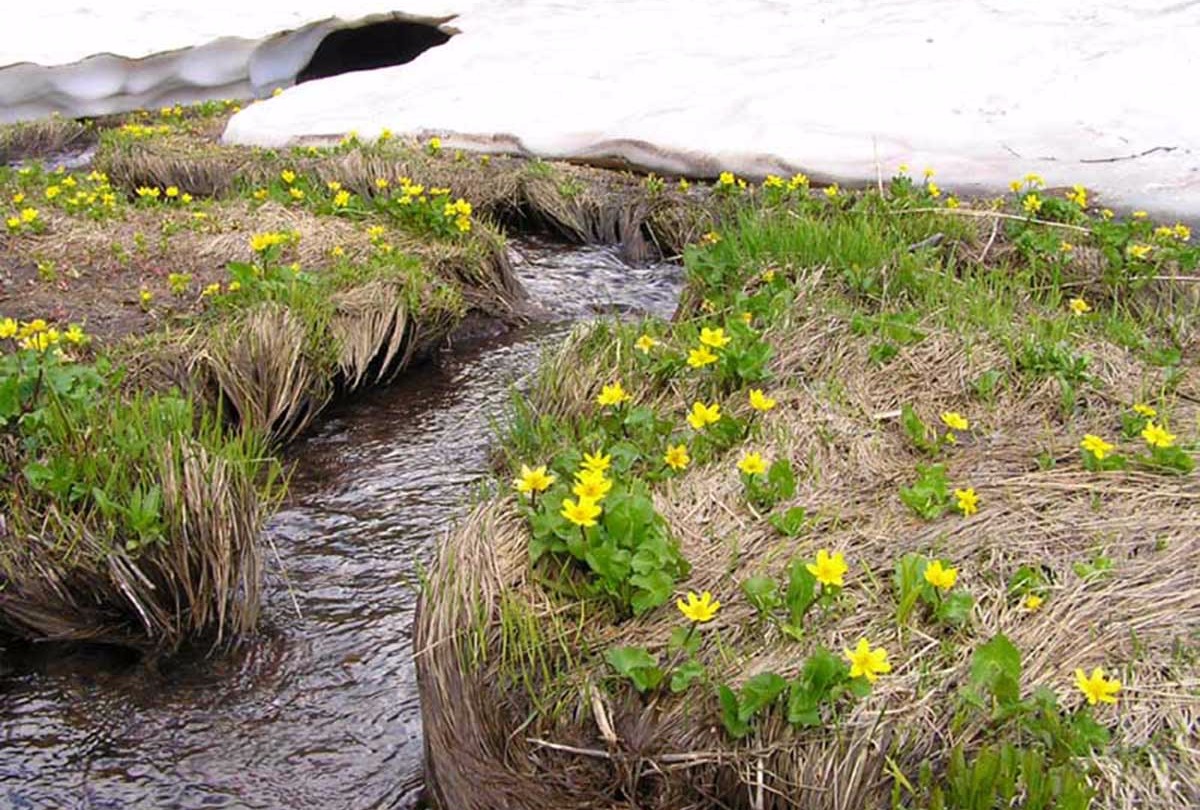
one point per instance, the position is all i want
(982, 90)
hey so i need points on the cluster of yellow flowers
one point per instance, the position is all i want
(261, 242)
(27, 218)
(709, 339)
(144, 131)
(38, 335)
(460, 212)
(168, 193)
(1178, 231)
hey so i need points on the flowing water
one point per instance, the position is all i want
(320, 710)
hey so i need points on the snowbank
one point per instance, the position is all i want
(984, 92)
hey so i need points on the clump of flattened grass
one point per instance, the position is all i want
(1106, 551)
(43, 138)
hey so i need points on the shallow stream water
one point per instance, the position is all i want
(320, 710)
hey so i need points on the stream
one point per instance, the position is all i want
(320, 709)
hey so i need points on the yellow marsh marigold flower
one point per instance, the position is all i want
(1138, 251)
(341, 199)
(1079, 306)
(1145, 410)
(18, 198)
(1140, 215)
(768, 275)
(703, 415)
(185, 198)
(726, 179)
(1106, 213)
(613, 394)
(1032, 204)
(375, 232)
(1157, 436)
(1066, 247)
(1078, 195)
(955, 420)
(700, 357)
(210, 289)
(967, 501)
(29, 215)
(645, 343)
(752, 464)
(533, 479)
(233, 286)
(711, 238)
(797, 182)
(260, 194)
(773, 181)
(338, 251)
(1096, 446)
(8, 328)
(435, 145)
(54, 191)
(714, 337)
(939, 576)
(1182, 232)
(261, 241)
(829, 569)
(172, 191)
(952, 203)
(760, 401)
(1164, 231)
(902, 168)
(831, 191)
(698, 609)
(684, 185)
(596, 463)
(747, 318)
(677, 457)
(1035, 179)
(334, 185)
(288, 176)
(382, 183)
(582, 513)
(145, 297)
(933, 189)
(928, 172)
(1097, 688)
(1014, 186)
(296, 193)
(13, 223)
(592, 486)
(866, 662)
(1032, 602)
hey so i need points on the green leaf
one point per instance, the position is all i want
(731, 713)
(781, 479)
(763, 593)
(759, 692)
(636, 664)
(955, 608)
(910, 583)
(822, 672)
(789, 523)
(996, 670)
(918, 432)
(653, 589)
(801, 591)
(685, 675)
(684, 638)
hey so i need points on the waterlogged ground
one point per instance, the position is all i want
(321, 710)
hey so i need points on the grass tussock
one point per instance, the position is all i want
(880, 327)
(41, 139)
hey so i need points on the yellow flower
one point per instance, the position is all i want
(645, 343)
(1140, 215)
(234, 286)
(768, 275)
(147, 192)
(1138, 251)
(210, 289)
(698, 609)
(288, 176)
(726, 179)
(831, 191)
(334, 185)
(968, 501)
(684, 185)
(1144, 410)
(677, 457)
(145, 297)
(581, 513)
(939, 576)
(1097, 688)
(1035, 180)
(375, 232)
(1096, 446)
(711, 238)
(185, 198)
(952, 202)
(435, 145)
(1032, 602)
(172, 191)
(933, 189)
(773, 181)
(902, 168)
(29, 215)
(1015, 186)
(867, 663)
(261, 241)
(591, 486)
(829, 569)
(1157, 436)
(1106, 213)
(260, 194)
(341, 199)
(613, 394)
(596, 463)
(760, 401)
(1078, 195)
(13, 223)
(1066, 247)
(296, 193)
(8, 328)
(752, 464)
(747, 318)
(714, 337)
(704, 415)
(385, 135)
(52, 192)
(700, 357)
(18, 198)
(533, 479)
(955, 421)
(1079, 306)
(928, 172)
(1032, 204)
(797, 182)
(1182, 232)
(382, 183)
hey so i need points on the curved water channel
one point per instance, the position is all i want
(321, 709)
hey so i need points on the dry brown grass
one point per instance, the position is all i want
(42, 138)
(593, 744)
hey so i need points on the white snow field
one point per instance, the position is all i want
(984, 91)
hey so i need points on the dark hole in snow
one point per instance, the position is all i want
(371, 46)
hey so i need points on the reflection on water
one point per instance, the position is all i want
(320, 710)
